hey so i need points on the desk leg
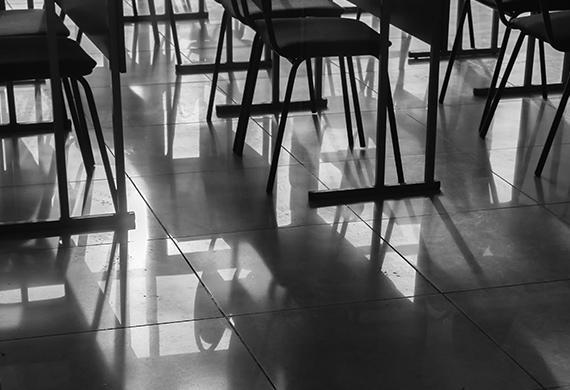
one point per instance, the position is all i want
(432, 100)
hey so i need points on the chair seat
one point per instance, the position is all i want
(321, 37)
(517, 7)
(27, 58)
(287, 9)
(534, 25)
(27, 22)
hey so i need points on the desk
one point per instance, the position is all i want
(424, 20)
(102, 22)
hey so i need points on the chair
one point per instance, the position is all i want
(506, 9)
(299, 40)
(552, 28)
(32, 22)
(281, 9)
(32, 57)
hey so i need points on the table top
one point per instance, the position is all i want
(412, 16)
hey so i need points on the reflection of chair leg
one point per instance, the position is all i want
(223, 26)
(99, 136)
(553, 129)
(281, 129)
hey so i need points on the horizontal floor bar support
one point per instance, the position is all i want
(73, 225)
(232, 110)
(224, 67)
(353, 195)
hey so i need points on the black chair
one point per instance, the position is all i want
(281, 9)
(506, 10)
(31, 57)
(32, 22)
(552, 28)
(299, 40)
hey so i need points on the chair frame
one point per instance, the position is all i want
(499, 10)
(266, 7)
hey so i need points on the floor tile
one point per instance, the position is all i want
(191, 355)
(76, 289)
(460, 251)
(301, 267)
(529, 322)
(400, 344)
(229, 201)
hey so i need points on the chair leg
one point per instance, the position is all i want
(543, 77)
(356, 102)
(281, 129)
(217, 62)
(154, 21)
(358, 13)
(486, 121)
(11, 101)
(346, 102)
(174, 30)
(395, 139)
(99, 135)
(248, 91)
(470, 25)
(80, 129)
(496, 73)
(454, 49)
(553, 129)
(311, 81)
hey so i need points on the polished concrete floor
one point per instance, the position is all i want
(221, 286)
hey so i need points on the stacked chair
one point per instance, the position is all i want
(299, 40)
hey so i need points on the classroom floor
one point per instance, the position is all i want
(221, 286)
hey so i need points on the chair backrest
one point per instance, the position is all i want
(540, 23)
(266, 7)
(554, 39)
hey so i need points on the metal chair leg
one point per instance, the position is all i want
(553, 129)
(225, 18)
(247, 98)
(543, 77)
(154, 21)
(281, 129)
(454, 50)
(486, 121)
(496, 73)
(311, 82)
(346, 102)
(100, 138)
(470, 25)
(80, 129)
(356, 103)
(395, 139)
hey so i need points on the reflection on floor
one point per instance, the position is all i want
(223, 287)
